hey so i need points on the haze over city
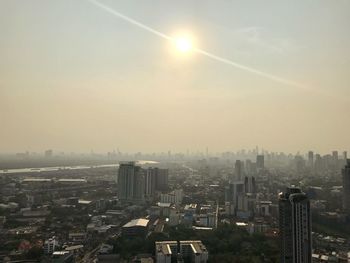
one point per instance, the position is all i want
(182, 131)
(76, 78)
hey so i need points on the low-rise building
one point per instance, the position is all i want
(62, 257)
(77, 237)
(136, 227)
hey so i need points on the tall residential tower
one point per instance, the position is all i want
(295, 226)
(131, 182)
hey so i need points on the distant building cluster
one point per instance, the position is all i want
(240, 194)
(318, 164)
(140, 212)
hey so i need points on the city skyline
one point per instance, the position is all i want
(232, 207)
(200, 152)
(174, 131)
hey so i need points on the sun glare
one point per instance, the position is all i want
(183, 44)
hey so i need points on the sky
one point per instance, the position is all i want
(73, 77)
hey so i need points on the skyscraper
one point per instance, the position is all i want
(260, 163)
(131, 182)
(156, 179)
(346, 187)
(240, 194)
(233, 190)
(295, 226)
(310, 161)
(162, 178)
(335, 160)
(150, 181)
(249, 184)
(239, 169)
(319, 164)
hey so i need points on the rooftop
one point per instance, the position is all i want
(163, 204)
(196, 245)
(29, 180)
(190, 206)
(74, 247)
(72, 180)
(60, 253)
(137, 222)
(84, 202)
(164, 247)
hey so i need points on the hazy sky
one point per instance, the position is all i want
(75, 78)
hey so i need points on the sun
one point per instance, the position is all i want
(183, 44)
